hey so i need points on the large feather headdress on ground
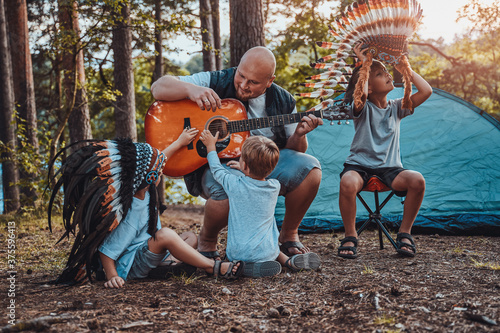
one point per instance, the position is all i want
(99, 181)
(381, 26)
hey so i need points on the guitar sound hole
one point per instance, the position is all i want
(218, 125)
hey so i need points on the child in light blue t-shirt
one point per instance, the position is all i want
(252, 232)
(130, 252)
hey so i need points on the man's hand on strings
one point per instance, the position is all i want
(206, 98)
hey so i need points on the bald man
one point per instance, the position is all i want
(299, 174)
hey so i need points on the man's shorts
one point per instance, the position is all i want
(291, 170)
(144, 261)
(386, 175)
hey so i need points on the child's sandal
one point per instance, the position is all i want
(353, 249)
(230, 275)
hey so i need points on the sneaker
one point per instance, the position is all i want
(261, 269)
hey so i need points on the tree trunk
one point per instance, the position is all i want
(207, 36)
(10, 176)
(123, 74)
(247, 27)
(158, 72)
(24, 90)
(74, 73)
(214, 4)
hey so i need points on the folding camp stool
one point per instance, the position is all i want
(376, 186)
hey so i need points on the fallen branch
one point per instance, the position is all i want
(37, 324)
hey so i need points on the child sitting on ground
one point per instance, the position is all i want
(110, 195)
(252, 232)
(375, 150)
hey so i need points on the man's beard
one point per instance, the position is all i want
(241, 97)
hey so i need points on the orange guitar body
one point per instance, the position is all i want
(165, 121)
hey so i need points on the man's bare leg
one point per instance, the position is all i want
(297, 203)
(214, 220)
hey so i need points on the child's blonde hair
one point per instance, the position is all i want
(261, 155)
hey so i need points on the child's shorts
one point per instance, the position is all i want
(144, 261)
(291, 170)
(387, 175)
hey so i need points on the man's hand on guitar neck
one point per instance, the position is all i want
(298, 140)
(209, 140)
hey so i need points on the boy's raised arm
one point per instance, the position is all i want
(423, 87)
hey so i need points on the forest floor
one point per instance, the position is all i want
(452, 285)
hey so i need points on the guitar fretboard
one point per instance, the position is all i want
(272, 121)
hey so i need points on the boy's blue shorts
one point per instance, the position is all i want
(144, 261)
(291, 170)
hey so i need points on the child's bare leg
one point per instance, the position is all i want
(282, 258)
(350, 184)
(167, 239)
(414, 183)
(190, 238)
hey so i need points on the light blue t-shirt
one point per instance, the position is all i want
(123, 242)
(252, 233)
(376, 139)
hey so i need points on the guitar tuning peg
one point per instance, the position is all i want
(339, 123)
(347, 122)
(331, 123)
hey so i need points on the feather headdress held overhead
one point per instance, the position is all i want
(381, 26)
(99, 181)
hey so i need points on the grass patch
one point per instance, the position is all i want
(35, 246)
(384, 320)
(368, 270)
(488, 265)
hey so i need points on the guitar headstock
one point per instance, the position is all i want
(336, 111)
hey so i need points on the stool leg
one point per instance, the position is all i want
(377, 220)
(370, 215)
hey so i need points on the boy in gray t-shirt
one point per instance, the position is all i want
(375, 148)
(252, 232)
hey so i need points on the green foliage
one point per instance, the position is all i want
(176, 193)
(297, 46)
(29, 160)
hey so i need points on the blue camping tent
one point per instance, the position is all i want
(454, 144)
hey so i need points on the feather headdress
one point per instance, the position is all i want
(99, 182)
(381, 26)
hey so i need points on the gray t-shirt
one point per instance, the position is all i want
(376, 140)
(256, 106)
(252, 234)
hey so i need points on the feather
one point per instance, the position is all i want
(381, 26)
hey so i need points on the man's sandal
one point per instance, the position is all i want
(400, 244)
(230, 275)
(353, 249)
(303, 262)
(211, 254)
(285, 247)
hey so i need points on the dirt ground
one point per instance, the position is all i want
(452, 285)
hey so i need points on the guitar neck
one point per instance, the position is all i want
(272, 121)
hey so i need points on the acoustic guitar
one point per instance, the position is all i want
(165, 121)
